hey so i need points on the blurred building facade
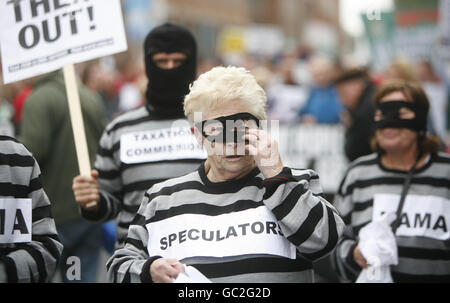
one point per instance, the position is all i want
(314, 23)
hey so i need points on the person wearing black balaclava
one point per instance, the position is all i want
(406, 178)
(168, 84)
(149, 144)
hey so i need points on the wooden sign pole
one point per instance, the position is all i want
(77, 123)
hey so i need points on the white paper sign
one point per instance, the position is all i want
(173, 143)
(253, 231)
(422, 216)
(37, 37)
(15, 221)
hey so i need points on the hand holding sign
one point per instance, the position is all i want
(85, 189)
(165, 270)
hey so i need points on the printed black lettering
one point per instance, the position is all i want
(404, 220)
(421, 222)
(163, 242)
(182, 236)
(46, 31)
(158, 149)
(147, 150)
(73, 21)
(440, 224)
(279, 230)
(270, 227)
(190, 236)
(34, 32)
(243, 227)
(58, 5)
(211, 235)
(19, 223)
(129, 152)
(17, 9)
(91, 16)
(258, 230)
(231, 232)
(34, 4)
(172, 237)
(218, 238)
(2, 221)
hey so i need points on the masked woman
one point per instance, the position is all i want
(408, 177)
(242, 216)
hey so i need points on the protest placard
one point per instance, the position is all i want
(40, 36)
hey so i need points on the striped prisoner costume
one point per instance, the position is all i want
(246, 230)
(123, 179)
(423, 238)
(33, 261)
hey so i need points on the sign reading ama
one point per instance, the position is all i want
(15, 221)
(39, 36)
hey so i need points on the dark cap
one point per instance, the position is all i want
(352, 74)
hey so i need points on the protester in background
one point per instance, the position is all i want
(120, 179)
(355, 92)
(286, 97)
(322, 105)
(242, 216)
(373, 185)
(400, 69)
(131, 95)
(101, 81)
(46, 130)
(438, 96)
(34, 260)
(19, 101)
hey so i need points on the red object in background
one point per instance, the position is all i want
(19, 102)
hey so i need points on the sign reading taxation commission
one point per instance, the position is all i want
(174, 143)
(39, 36)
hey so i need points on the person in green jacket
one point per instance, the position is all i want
(46, 131)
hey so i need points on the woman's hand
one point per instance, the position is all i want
(265, 152)
(165, 270)
(359, 258)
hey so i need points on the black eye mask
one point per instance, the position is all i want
(232, 131)
(391, 116)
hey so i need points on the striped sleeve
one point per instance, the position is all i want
(308, 221)
(35, 261)
(109, 181)
(346, 267)
(126, 265)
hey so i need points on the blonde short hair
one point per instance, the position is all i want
(224, 85)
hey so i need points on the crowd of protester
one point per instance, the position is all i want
(303, 87)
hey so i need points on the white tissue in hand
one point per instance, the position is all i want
(191, 275)
(378, 246)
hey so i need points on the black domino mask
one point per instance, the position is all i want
(226, 129)
(391, 116)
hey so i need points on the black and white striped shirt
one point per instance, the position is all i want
(25, 261)
(246, 230)
(135, 152)
(423, 238)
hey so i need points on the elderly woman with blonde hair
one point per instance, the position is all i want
(242, 216)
